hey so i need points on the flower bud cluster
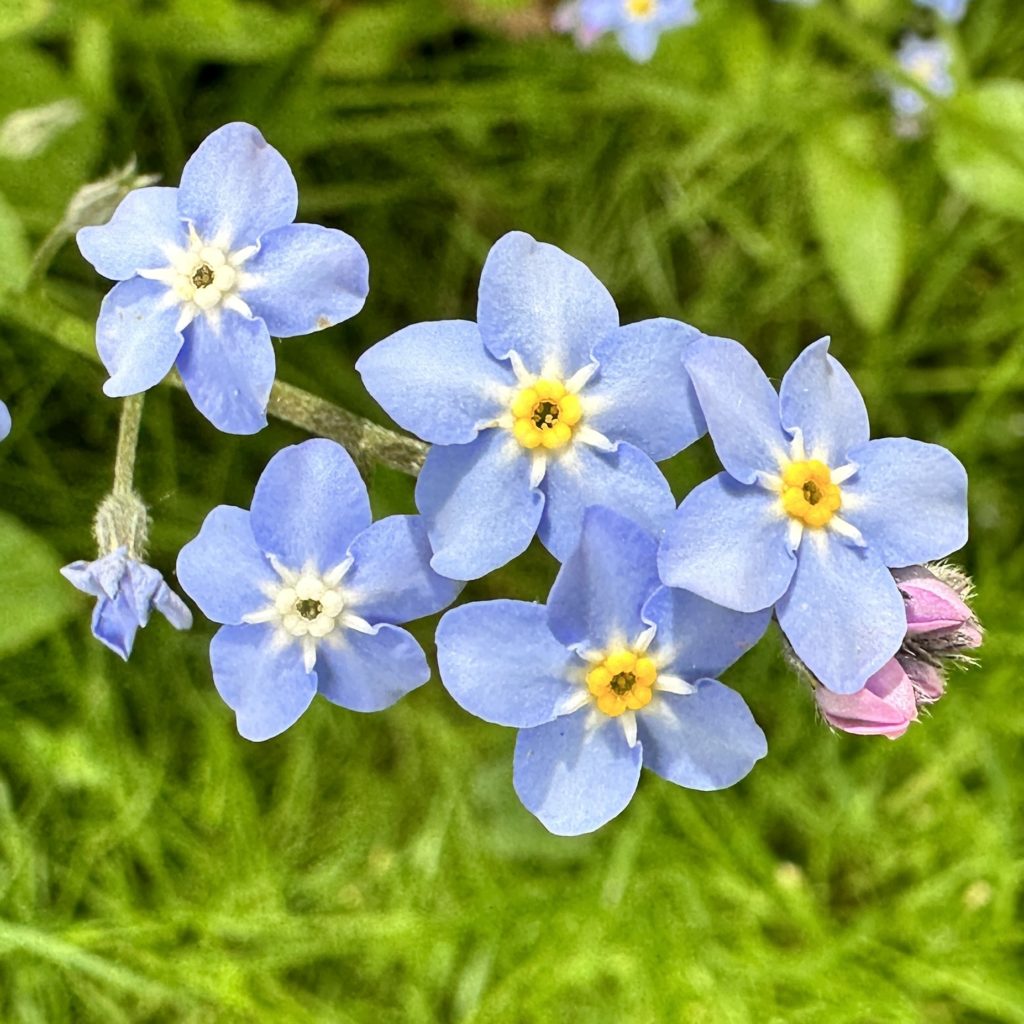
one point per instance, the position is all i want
(942, 630)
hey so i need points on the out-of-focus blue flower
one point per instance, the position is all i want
(210, 270)
(5, 420)
(126, 590)
(950, 10)
(928, 61)
(809, 512)
(541, 408)
(311, 593)
(636, 23)
(616, 671)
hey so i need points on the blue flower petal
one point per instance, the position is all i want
(236, 186)
(223, 569)
(639, 39)
(601, 589)
(137, 336)
(114, 624)
(305, 278)
(843, 612)
(642, 393)
(575, 777)
(137, 235)
(696, 638)
(908, 499)
(543, 304)
(819, 398)
(263, 682)
(309, 505)
(391, 579)
(171, 607)
(703, 740)
(140, 584)
(728, 543)
(369, 672)
(82, 575)
(626, 480)
(228, 366)
(5, 420)
(438, 381)
(740, 405)
(500, 662)
(478, 505)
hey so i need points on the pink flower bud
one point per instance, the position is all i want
(930, 604)
(934, 607)
(885, 707)
(929, 680)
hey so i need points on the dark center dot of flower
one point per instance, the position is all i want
(308, 608)
(622, 683)
(812, 493)
(545, 414)
(203, 276)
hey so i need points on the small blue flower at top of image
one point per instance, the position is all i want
(929, 62)
(209, 270)
(615, 672)
(126, 591)
(637, 23)
(311, 593)
(542, 407)
(950, 10)
(5, 420)
(810, 513)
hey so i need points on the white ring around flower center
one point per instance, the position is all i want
(203, 276)
(308, 607)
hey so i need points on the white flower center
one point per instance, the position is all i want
(308, 607)
(203, 277)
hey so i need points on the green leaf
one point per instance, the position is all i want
(14, 251)
(858, 219)
(34, 599)
(223, 30)
(980, 146)
(21, 15)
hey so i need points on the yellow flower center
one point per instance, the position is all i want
(544, 414)
(622, 682)
(641, 9)
(808, 493)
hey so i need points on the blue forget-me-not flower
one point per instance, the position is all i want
(616, 671)
(541, 408)
(208, 271)
(950, 10)
(126, 592)
(810, 513)
(636, 23)
(928, 61)
(311, 593)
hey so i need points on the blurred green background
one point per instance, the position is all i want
(156, 867)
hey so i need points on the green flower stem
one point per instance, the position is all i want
(127, 442)
(367, 442)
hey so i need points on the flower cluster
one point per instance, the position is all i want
(546, 417)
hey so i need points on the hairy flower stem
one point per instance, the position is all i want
(367, 442)
(122, 519)
(127, 442)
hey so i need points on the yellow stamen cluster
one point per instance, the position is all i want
(622, 682)
(544, 414)
(808, 493)
(641, 9)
